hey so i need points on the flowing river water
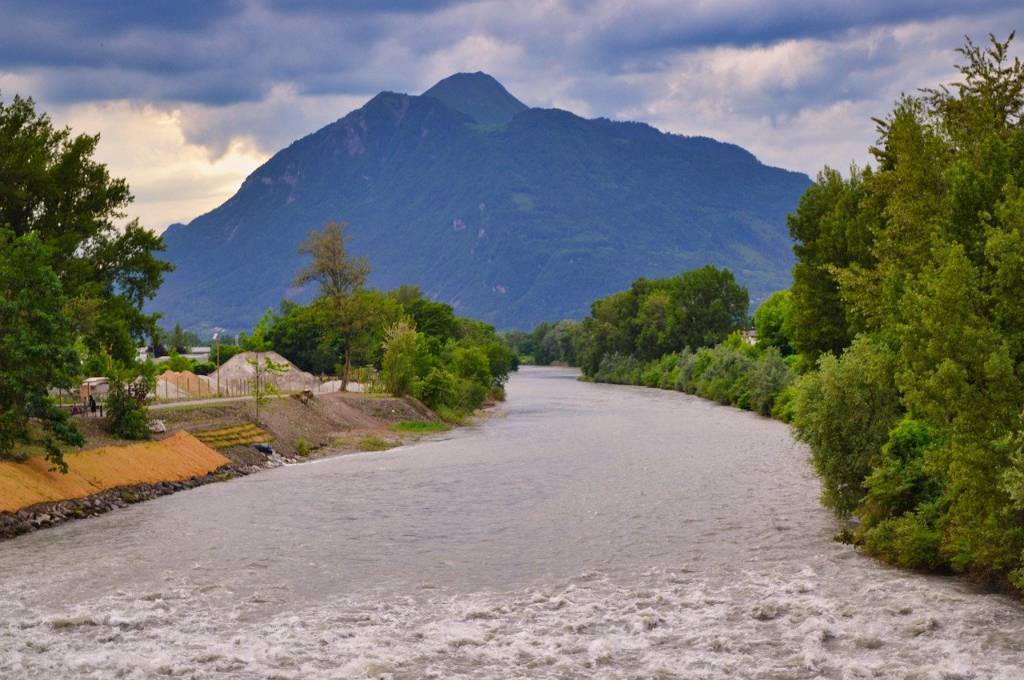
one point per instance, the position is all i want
(582, 531)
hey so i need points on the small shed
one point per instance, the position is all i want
(749, 336)
(97, 388)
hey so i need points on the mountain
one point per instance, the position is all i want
(512, 214)
(479, 96)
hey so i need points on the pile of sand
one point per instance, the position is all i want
(183, 384)
(238, 371)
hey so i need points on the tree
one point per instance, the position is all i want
(299, 332)
(36, 348)
(919, 264)
(338, 273)
(182, 341)
(259, 340)
(698, 308)
(51, 187)
(358, 327)
(829, 231)
(74, 280)
(339, 276)
(773, 321)
(709, 305)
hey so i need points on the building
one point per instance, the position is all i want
(97, 388)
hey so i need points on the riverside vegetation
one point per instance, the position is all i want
(898, 353)
(73, 286)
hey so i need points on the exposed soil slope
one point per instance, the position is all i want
(178, 457)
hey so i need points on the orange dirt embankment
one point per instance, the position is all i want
(178, 457)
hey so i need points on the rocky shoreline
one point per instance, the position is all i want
(44, 515)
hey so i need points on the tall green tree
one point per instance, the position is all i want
(339, 276)
(36, 349)
(52, 187)
(74, 279)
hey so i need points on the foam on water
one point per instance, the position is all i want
(662, 625)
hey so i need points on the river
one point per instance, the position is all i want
(581, 530)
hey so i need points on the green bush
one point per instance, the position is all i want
(398, 367)
(784, 407)
(767, 379)
(844, 412)
(204, 368)
(910, 541)
(619, 369)
(471, 395)
(438, 389)
(725, 378)
(126, 407)
(178, 363)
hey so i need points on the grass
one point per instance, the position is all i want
(232, 436)
(450, 415)
(375, 443)
(420, 426)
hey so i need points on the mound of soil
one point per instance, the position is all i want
(238, 371)
(186, 383)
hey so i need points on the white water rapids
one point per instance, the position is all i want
(583, 531)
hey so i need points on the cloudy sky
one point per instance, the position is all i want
(190, 97)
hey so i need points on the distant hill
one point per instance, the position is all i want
(512, 214)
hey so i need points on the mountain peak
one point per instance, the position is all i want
(477, 95)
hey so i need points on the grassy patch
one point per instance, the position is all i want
(375, 443)
(450, 416)
(420, 426)
(238, 435)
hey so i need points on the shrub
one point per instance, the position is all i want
(785, 404)
(844, 412)
(724, 379)
(471, 395)
(178, 363)
(472, 363)
(438, 389)
(204, 368)
(685, 365)
(912, 540)
(767, 378)
(398, 367)
(126, 407)
(302, 447)
(619, 369)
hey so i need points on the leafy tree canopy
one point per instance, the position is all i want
(71, 282)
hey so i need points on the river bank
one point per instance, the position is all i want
(203, 443)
